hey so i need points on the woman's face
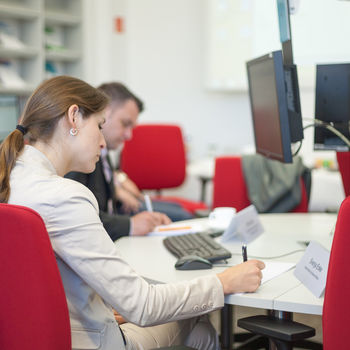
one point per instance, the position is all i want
(88, 142)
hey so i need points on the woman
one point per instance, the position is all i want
(62, 123)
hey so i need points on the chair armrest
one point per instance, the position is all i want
(269, 326)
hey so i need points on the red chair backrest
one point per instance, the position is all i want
(155, 157)
(33, 307)
(230, 189)
(336, 307)
(229, 185)
(343, 159)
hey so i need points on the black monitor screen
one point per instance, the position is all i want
(332, 105)
(268, 99)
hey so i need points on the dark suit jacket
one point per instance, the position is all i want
(116, 225)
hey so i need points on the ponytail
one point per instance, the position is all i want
(9, 151)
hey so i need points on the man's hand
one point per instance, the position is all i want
(130, 203)
(245, 277)
(128, 185)
(145, 222)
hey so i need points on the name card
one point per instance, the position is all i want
(244, 226)
(312, 268)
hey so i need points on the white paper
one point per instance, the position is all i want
(275, 268)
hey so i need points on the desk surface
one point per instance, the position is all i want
(283, 233)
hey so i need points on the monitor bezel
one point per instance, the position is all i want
(283, 115)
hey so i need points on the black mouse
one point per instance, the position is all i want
(193, 262)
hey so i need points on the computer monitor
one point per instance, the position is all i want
(332, 105)
(9, 114)
(275, 106)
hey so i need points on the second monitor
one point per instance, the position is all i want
(275, 106)
(332, 105)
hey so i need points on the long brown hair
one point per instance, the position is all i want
(44, 108)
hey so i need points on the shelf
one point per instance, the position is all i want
(26, 21)
(22, 91)
(61, 18)
(16, 11)
(63, 56)
(26, 52)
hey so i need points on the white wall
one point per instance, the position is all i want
(161, 57)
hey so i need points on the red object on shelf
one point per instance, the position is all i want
(119, 24)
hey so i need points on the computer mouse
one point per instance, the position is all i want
(193, 262)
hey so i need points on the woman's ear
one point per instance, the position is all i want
(73, 115)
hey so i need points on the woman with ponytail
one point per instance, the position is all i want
(58, 132)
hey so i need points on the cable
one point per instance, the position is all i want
(298, 149)
(262, 257)
(320, 123)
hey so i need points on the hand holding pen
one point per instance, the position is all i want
(244, 277)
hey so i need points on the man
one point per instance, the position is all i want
(116, 194)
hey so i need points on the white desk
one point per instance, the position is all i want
(149, 258)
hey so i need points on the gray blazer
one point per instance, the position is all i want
(94, 275)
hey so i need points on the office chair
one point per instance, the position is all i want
(34, 313)
(155, 159)
(336, 306)
(230, 190)
(33, 307)
(343, 159)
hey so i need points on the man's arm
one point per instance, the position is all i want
(117, 226)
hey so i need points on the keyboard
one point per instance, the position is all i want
(200, 244)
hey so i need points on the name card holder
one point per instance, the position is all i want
(312, 268)
(245, 226)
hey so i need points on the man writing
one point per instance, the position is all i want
(117, 195)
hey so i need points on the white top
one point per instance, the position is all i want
(94, 275)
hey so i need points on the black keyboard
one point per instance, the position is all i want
(200, 244)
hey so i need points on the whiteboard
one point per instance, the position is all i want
(239, 30)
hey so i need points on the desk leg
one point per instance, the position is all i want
(204, 180)
(227, 327)
(282, 315)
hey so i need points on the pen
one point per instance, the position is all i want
(148, 203)
(244, 252)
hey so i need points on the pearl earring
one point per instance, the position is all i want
(73, 131)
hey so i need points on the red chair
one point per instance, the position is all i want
(343, 159)
(336, 307)
(155, 159)
(230, 189)
(33, 307)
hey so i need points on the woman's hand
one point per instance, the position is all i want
(245, 277)
(119, 318)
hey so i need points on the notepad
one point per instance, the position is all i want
(275, 268)
(175, 229)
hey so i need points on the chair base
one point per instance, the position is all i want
(249, 341)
